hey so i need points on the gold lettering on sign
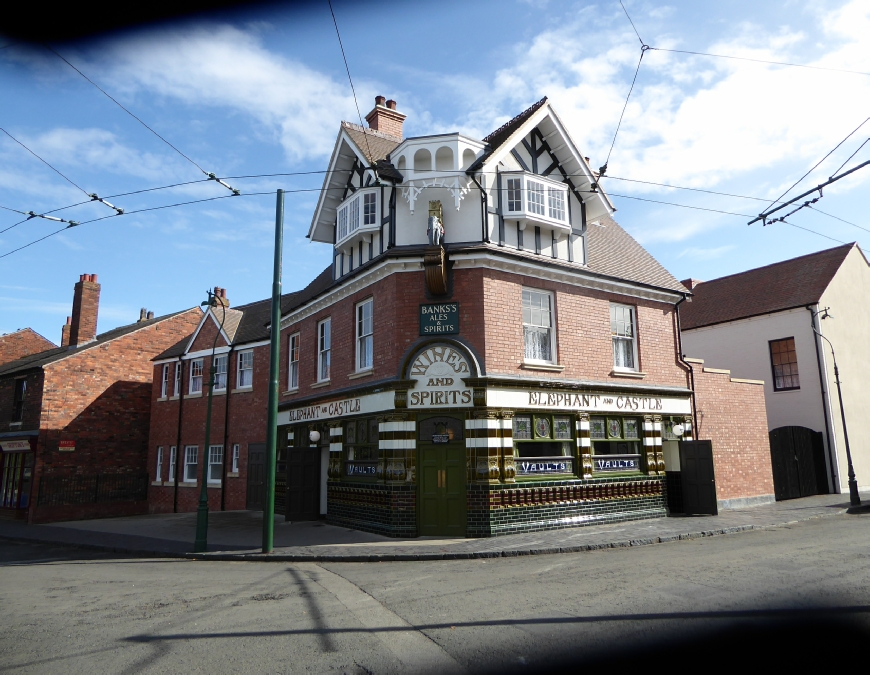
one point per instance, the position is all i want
(438, 371)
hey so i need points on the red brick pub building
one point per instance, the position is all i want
(489, 352)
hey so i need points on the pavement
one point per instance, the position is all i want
(237, 535)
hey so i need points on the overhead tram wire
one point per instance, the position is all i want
(211, 175)
(773, 63)
(350, 79)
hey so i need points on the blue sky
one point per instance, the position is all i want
(263, 92)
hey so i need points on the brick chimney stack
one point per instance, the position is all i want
(385, 118)
(220, 295)
(64, 333)
(86, 304)
(691, 284)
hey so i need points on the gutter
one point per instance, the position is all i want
(686, 364)
(830, 437)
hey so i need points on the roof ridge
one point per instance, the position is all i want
(532, 108)
(782, 262)
(371, 132)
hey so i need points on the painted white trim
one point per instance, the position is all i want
(217, 323)
(398, 444)
(485, 442)
(397, 426)
(484, 424)
(204, 352)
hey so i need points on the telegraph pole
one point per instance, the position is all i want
(274, 356)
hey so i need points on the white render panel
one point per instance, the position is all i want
(397, 426)
(632, 404)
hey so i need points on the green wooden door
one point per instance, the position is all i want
(441, 475)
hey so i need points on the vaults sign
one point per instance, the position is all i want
(438, 371)
(440, 319)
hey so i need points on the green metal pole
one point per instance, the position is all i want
(274, 354)
(200, 544)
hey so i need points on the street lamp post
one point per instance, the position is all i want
(854, 497)
(200, 544)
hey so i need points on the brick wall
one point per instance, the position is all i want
(732, 414)
(32, 399)
(22, 343)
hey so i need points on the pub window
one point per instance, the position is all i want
(622, 330)
(364, 337)
(164, 381)
(615, 444)
(245, 374)
(293, 361)
(361, 448)
(158, 475)
(18, 400)
(542, 445)
(215, 463)
(324, 346)
(538, 326)
(783, 360)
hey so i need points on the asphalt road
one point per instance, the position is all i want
(800, 592)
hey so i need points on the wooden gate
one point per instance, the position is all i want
(256, 475)
(699, 481)
(798, 458)
(303, 483)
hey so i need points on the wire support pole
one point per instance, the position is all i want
(854, 496)
(763, 217)
(274, 356)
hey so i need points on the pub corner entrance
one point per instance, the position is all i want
(441, 476)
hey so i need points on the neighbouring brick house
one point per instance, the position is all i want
(21, 343)
(489, 352)
(74, 418)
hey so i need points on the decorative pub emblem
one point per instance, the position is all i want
(438, 371)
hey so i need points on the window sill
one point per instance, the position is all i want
(551, 367)
(197, 395)
(188, 484)
(779, 391)
(214, 484)
(219, 392)
(15, 424)
(361, 373)
(243, 390)
(290, 391)
(156, 482)
(163, 398)
(318, 385)
(173, 398)
(233, 474)
(634, 374)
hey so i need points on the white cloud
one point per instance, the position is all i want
(698, 253)
(222, 65)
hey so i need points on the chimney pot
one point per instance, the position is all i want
(68, 320)
(94, 278)
(142, 314)
(150, 316)
(386, 119)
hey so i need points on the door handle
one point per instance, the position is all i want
(442, 478)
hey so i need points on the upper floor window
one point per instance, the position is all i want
(159, 469)
(370, 203)
(783, 360)
(515, 194)
(324, 346)
(364, 339)
(220, 372)
(538, 326)
(172, 459)
(190, 462)
(18, 400)
(293, 363)
(623, 334)
(196, 376)
(538, 198)
(164, 381)
(177, 387)
(360, 209)
(245, 374)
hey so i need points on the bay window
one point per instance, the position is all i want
(360, 210)
(537, 198)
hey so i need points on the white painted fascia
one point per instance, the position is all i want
(578, 278)
(217, 324)
(343, 136)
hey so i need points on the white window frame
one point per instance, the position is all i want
(172, 459)
(158, 474)
(220, 383)
(191, 458)
(215, 459)
(365, 335)
(324, 349)
(541, 199)
(195, 376)
(369, 216)
(177, 385)
(293, 363)
(164, 381)
(351, 215)
(236, 452)
(617, 336)
(532, 318)
(245, 369)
